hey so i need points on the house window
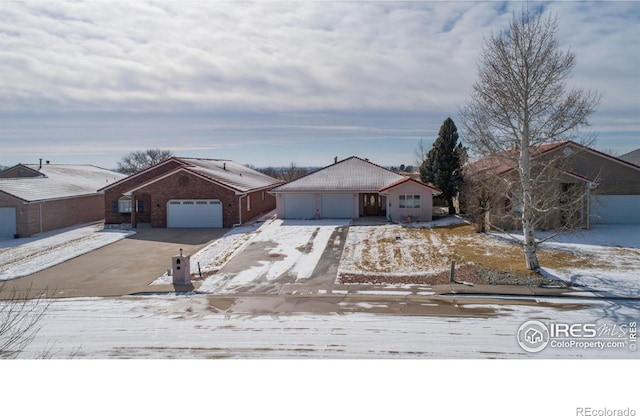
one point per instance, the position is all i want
(124, 205)
(409, 201)
(248, 202)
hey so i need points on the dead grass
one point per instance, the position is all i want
(412, 251)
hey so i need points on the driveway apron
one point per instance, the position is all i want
(125, 267)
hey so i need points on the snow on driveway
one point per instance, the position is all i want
(25, 256)
(291, 247)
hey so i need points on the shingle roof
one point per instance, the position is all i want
(632, 157)
(229, 173)
(59, 181)
(352, 174)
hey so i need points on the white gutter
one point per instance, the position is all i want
(239, 211)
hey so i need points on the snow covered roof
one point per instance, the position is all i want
(352, 174)
(226, 173)
(58, 181)
(229, 173)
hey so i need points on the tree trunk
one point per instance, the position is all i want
(452, 208)
(528, 224)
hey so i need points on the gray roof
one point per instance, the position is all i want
(229, 173)
(632, 157)
(59, 181)
(350, 175)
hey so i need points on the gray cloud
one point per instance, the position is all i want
(276, 72)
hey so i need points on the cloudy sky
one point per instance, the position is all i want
(269, 83)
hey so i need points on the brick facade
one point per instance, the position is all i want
(113, 193)
(35, 217)
(183, 185)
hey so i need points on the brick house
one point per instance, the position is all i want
(189, 193)
(609, 186)
(35, 198)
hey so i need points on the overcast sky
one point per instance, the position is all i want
(270, 83)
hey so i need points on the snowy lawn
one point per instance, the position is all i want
(610, 259)
(605, 258)
(25, 256)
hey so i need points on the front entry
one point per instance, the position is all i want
(371, 204)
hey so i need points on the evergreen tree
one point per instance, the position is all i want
(442, 165)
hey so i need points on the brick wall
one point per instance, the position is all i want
(183, 185)
(117, 190)
(57, 214)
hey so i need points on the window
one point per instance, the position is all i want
(139, 205)
(409, 201)
(248, 202)
(124, 205)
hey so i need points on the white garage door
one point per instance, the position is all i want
(615, 209)
(336, 206)
(196, 213)
(299, 206)
(7, 223)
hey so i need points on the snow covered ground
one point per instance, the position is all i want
(171, 326)
(25, 256)
(614, 251)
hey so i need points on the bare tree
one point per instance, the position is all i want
(139, 160)
(20, 315)
(291, 172)
(519, 103)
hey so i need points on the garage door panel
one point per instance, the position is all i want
(7, 222)
(336, 206)
(194, 214)
(302, 206)
(615, 209)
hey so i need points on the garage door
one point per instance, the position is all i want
(302, 206)
(7, 222)
(615, 209)
(196, 213)
(336, 206)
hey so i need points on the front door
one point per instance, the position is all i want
(371, 204)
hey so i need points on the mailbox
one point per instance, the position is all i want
(181, 269)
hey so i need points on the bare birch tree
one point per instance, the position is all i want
(520, 102)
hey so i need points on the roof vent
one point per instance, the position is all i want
(335, 160)
(224, 166)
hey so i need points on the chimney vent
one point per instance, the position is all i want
(47, 162)
(335, 160)
(40, 167)
(224, 166)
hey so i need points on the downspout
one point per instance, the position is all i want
(239, 211)
(41, 214)
(589, 205)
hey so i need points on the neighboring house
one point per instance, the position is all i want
(38, 198)
(632, 157)
(610, 185)
(353, 188)
(185, 192)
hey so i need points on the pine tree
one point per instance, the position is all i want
(442, 166)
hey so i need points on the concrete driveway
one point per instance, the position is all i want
(125, 267)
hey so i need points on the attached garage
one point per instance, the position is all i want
(615, 209)
(336, 206)
(196, 213)
(7, 223)
(299, 206)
